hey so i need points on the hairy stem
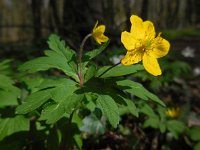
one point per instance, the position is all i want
(80, 75)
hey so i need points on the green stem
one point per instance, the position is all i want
(80, 75)
(109, 68)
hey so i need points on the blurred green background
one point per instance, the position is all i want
(25, 26)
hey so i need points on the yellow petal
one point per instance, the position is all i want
(151, 64)
(131, 57)
(98, 33)
(128, 40)
(101, 39)
(160, 47)
(149, 29)
(137, 28)
(99, 29)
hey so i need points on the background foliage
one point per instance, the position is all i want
(42, 105)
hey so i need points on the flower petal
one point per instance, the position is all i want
(101, 39)
(131, 57)
(151, 65)
(128, 40)
(149, 30)
(99, 29)
(160, 47)
(137, 28)
(98, 33)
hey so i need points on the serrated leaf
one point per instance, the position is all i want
(59, 46)
(46, 63)
(60, 57)
(65, 107)
(34, 101)
(109, 71)
(53, 113)
(146, 109)
(63, 88)
(138, 90)
(72, 102)
(91, 54)
(33, 83)
(57, 89)
(8, 92)
(9, 98)
(131, 107)
(9, 126)
(109, 108)
(90, 72)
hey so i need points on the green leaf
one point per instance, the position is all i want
(138, 90)
(88, 101)
(59, 46)
(63, 90)
(57, 89)
(146, 109)
(91, 54)
(34, 101)
(130, 107)
(72, 102)
(8, 92)
(9, 98)
(109, 108)
(52, 113)
(5, 82)
(60, 57)
(175, 127)
(90, 72)
(197, 146)
(50, 83)
(77, 135)
(5, 67)
(109, 71)
(152, 122)
(162, 126)
(78, 140)
(194, 133)
(44, 63)
(9, 126)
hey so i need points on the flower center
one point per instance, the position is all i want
(143, 45)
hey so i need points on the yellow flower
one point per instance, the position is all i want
(98, 33)
(172, 112)
(142, 44)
